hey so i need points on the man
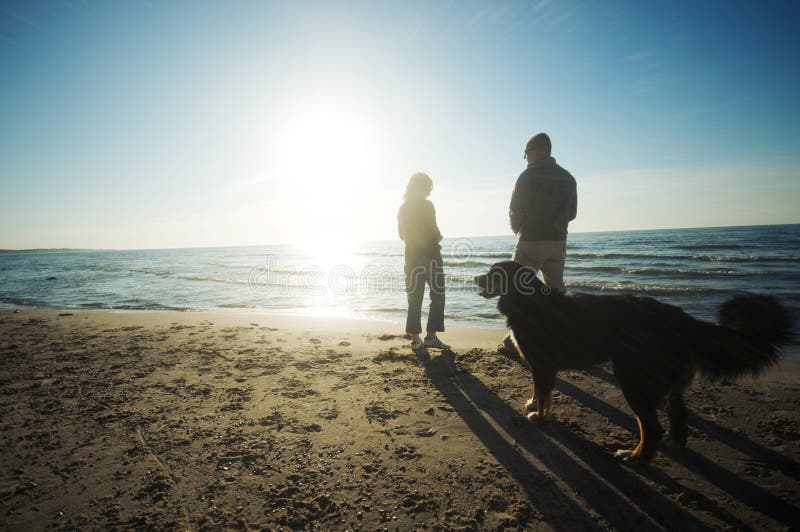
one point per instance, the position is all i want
(543, 203)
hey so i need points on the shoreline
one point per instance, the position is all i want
(144, 419)
(459, 336)
(464, 337)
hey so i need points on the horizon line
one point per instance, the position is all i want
(71, 250)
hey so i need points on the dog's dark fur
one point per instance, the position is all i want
(655, 348)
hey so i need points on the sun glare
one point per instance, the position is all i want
(325, 157)
(326, 143)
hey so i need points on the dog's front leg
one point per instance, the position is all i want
(530, 404)
(543, 381)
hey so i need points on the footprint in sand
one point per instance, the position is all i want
(422, 432)
(376, 412)
(407, 452)
(779, 427)
(329, 413)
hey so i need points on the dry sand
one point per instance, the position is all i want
(190, 421)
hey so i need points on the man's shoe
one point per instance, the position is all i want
(508, 348)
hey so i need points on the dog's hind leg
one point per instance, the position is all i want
(644, 404)
(676, 413)
(543, 381)
(650, 432)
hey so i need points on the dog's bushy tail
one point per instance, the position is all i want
(751, 330)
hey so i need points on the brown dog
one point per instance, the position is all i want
(655, 348)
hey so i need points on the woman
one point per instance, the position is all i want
(416, 224)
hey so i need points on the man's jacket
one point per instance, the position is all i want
(544, 201)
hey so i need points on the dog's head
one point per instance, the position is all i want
(510, 278)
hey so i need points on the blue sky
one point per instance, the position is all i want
(171, 124)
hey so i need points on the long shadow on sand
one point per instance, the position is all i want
(622, 499)
(744, 491)
(740, 442)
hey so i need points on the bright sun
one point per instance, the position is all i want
(325, 158)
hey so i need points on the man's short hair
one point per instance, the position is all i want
(539, 141)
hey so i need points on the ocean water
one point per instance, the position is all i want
(693, 268)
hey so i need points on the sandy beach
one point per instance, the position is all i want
(205, 421)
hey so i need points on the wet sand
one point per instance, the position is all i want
(206, 421)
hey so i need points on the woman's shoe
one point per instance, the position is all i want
(435, 343)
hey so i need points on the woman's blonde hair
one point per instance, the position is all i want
(418, 186)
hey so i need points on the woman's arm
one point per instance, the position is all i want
(433, 228)
(400, 229)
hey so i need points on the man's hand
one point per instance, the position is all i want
(515, 219)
